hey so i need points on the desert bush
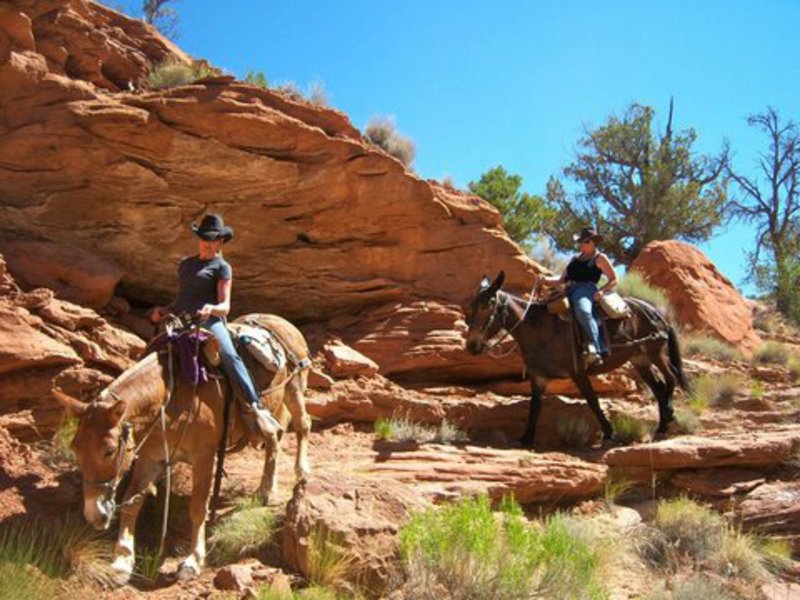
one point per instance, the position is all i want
(687, 421)
(573, 431)
(472, 553)
(616, 489)
(329, 564)
(683, 529)
(756, 389)
(793, 364)
(627, 429)
(310, 593)
(291, 90)
(172, 74)
(382, 132)
(24, 582)
(698, 344)
(635, 286)
(717, 390)
(64, 547)
(57, 451)
(257, 78)
(317, 93)
(403, 429)
(249, 527)
(772, 353)
(699, 587)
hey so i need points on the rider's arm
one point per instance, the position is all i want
(553, 279)
(223, 306)
(607, 268)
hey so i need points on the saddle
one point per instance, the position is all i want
(197, 350)
(612, 306)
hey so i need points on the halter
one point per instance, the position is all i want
(499, 303)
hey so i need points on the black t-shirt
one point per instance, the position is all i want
(197, 282)
(584, 270)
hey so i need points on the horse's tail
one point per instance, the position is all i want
(675, 359)
(658, 321)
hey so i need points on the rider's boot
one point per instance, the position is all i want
(592, 357)
(259, 423)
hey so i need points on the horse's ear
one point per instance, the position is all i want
(498, 283)
(115, 412)
(485, 283)
(74, 407)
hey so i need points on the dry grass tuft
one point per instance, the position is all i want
(573, 432)
(697, 344)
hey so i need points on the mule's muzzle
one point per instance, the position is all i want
(99, 513)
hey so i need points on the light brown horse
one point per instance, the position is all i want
(127, 414)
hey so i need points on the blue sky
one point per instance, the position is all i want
(482, 83)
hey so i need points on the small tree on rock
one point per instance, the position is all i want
(162, 17)
(523, 214)
(636, 186)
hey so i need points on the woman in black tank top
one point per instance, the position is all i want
(581, 279)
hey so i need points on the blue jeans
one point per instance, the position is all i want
(232, 363)
(581, 297)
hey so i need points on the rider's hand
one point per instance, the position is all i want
(155, 315)
(205, 312)
(597, 295)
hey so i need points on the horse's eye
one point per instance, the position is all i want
(109, 451)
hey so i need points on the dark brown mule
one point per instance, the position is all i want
(128, 413)
(644, 339)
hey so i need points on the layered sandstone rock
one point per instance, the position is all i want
(702, 297)
(325, 223)
(72, 273)
(766, 448)
(46, 342)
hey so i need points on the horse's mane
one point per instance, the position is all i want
(139, 386)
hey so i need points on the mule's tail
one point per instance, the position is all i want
(675, 359)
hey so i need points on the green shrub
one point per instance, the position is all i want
(715, 389)
(683, 529)
(793, 364)
(627, 429)
(757, 389)
(696, 344)
(256, 78)
(772, 353)
(173, 74)
(384, 429)
(699, 587)
(616, 489)
(57, 452)
(687, 421)
(635, 286)
(573, 431)
(66, 546)
(382, 132)
(465, 549)
(242, 532)
(24, 582)
(329, 563)
(403, 429)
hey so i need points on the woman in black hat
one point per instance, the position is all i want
(204, 289)
(581, 278)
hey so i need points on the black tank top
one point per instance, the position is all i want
(584, 270)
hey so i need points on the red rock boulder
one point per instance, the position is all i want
(72, 273)
(702, 297)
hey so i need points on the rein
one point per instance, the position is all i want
(501, 311)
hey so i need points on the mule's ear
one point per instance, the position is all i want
(74, 407)
(115, 412)
(485, 283)
(498, 283)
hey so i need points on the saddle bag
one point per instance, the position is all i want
(614, 306)
(262, 346)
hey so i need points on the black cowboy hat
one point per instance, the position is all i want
(212, 228)
(587, 233)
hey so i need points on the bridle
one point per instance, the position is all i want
(499, 304)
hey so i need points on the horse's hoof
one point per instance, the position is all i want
(188, 569)
(121, 571)
(609, 442)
